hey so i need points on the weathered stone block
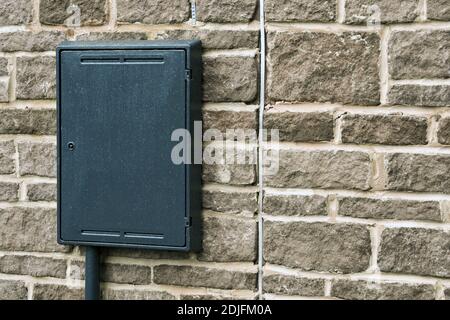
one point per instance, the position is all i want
(293, 286)
(33, 266)
(384, 129)
(37, 159)
(152, 11)
(421, 96)
(57, 292)
(14, 12)
(215, 39)
(30, 41)
(29, 229)
(73, 12)
(438, 10)
(36, 77)
(9, 191)
(4, 89)
(13, 290)
(294, 205)
(226, 10)
(112, 36)
(41, 191)
(390, 209)
(369, 290)
(419, 55)
(322, 169)
(381, 11)
(146, 254)
(417, 172)
(337, 248)
(300, 126)
(4, 63)
(119, 294)
(7, 155)
(222, 82)
(324, 67)
(230, 201)
(444, 131)
(416, 251)
(228, 239)
(28, 121)
(196, 276)
(300, 10)
(223, 120)
(126, 273)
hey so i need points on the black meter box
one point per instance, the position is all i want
(118, 105)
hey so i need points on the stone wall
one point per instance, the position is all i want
(360, 207)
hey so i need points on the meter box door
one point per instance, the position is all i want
(118, 105)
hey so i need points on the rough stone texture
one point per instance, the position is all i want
(37, 159)
(224, 120)
(300, 10)
(146, 254)
(444, 131)
(57, 292)
(417, 172)
(36, 77)
(14, 12)
(421, 96)
(196, 276)
(230, 201)
(228, 239)
(384, 11)
(214, 296)
(414, 250)
(152, 11)
(30, 41)
(438, 10)
(33, 266)
(4, 62)
(301, 126)
(112, 36)
(368, 290)
(7, 155)
(324, 67)
(4, 89)
(384, 129)
(390, 209)
(113, 294)
(226, 10)
(221, 82)
(29, 229)
(41, 191)
(322, 169)
(126, 273)
(447, 294)
(215, 39)
(419, 55)
(293, 286)
(9, 191)
(230, 174)
(13, 290)
(294, 205)
(92, 12)
(28, 121)
(337, 248)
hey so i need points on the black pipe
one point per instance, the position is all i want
(92, 274)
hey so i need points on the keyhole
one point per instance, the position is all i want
(71, 146)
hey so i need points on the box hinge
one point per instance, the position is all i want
(188, 74)
(187, 222)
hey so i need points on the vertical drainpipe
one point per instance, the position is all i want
(262, 46)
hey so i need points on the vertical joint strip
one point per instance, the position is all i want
(262, 30)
